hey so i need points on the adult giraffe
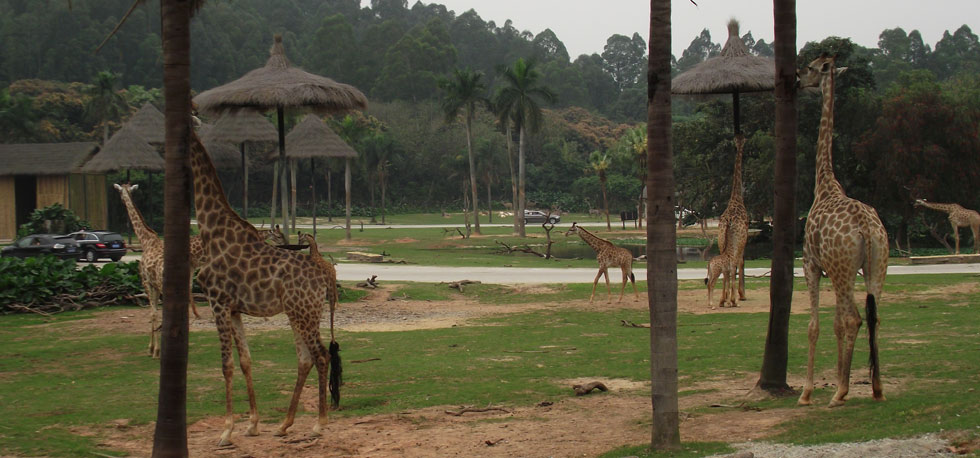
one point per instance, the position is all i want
(842, 235)
(244, 275)
(608, 255)
(958, 217)
(734, 223)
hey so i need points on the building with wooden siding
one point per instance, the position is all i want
(35, 175)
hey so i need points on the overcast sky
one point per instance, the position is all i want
(584, 25)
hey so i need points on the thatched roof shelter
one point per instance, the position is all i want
(244, 126)
(126, 150)
(223, 154)
(149, 123)
(313, 138)
(45, 158)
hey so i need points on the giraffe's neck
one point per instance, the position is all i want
(143, 232)
(596, 243)
(211, 205)
(737, 173)
(948, 208)
(826, 183)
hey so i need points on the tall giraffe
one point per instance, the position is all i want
(244, 275)
(842, 235)
(608, 255)
(151, 263)
(958, 217)
(734, 222)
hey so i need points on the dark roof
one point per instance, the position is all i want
(313, 138)
(224, 155)
(45, 158)
(126, 149)
(149, 123)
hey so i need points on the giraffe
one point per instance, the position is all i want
(244, 275)
(274, 236)
(608, 255)
(723, 264)
(151, 263)
(734, 222)
(958, 217)
(842, 235)
(310, 239)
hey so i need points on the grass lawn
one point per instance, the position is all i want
(59, 380)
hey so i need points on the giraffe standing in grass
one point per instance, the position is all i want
(608, 255)
(244, 275)
(309, 239)
(734, 222)
(958, 217)
(842, 236)
(724, 264)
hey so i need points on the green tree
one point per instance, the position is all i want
(415, 62)
(463, 92)
(633, 145)
(17, 117)
(106, 104)
(519, 101)
(700, 49)
(624, 59)
(599, 164)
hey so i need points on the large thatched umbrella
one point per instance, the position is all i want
(278, 86)
(312, 138)
(148, 122)
(244, 129)
(733, 71)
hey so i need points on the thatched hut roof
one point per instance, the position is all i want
(313, 138)
(45, 158)
(126, 150)
(224, 155)
(149, 123)
(244, 126)
(278, 84)
(734, 70)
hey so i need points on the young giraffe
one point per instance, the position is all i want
(608, 255)
(274, 236)
(723, 264)
(309, 239)
(244, 275)
(958, 217)
(842, 235)
(151, 263)
(734, 222)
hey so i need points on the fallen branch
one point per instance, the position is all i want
(471, 409)
(507, 249)
(459, 284)
(539, 351)
(630, 324)
(358, 361)
(491, 443)
(582, 390)
(369, 283)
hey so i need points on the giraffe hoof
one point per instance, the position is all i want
(252, 430)
(279, 433)
(224, 442)
(836, 403)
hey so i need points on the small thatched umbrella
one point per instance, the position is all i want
(127, 150)
(278, 86)
(244, 128)
(734, 71)
(224, 154)
(312, 138)
(148, 122)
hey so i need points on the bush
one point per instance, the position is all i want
(48, 284)
(53, 219)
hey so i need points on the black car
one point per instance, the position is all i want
(61, 246)
(95, 245)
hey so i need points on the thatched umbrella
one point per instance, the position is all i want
(223, 154)
(244, 128)
(278, 86)
(312, 138)
(733, 71)
(148, 122)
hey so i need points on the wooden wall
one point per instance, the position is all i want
(88, 199)
(52, 189)
(8, 212)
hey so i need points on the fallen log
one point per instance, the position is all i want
(459, 284)
(369, 283)
(582, 390)
(471, 409)
(630, 324)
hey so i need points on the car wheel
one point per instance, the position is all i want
(116, 258)
(90, 256)
(525, 221)
(552, 220)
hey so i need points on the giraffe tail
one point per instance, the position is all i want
(871, 310)
(336, 374)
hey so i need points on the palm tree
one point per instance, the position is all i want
(463, 92)
(773, 375)
(106, 104)
(17, 117)
(599, 165)
(519, 101)
(661, 235)
(633, 144)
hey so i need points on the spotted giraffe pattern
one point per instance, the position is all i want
(842, 236)
(332, 295)
(958, 217)
(608, 255)
(244, 275)
(734, 222)
(151, 264)
(723, 264)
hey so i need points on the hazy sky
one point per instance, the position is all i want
(584, 25)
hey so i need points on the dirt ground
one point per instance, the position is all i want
(575, 426)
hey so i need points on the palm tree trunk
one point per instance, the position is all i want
(275, 192)
(329, 193)
(292, 190)
(520, 190)
(773, 374)
(282, 169)
(383, 178)
(605, 201)
(513, 176)
(244, 183)
(489, 203)
(661, 235)
(170, 433)
(473, 184)
(347, 195)
(313, 189)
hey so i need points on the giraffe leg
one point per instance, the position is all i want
(956, 236)
(847, 322)
(605, 272)
(190, 299)
(245, 362)
(636, 294)
(304, 364)
(812, 273)
(321, 358)
(741, 275)
(594, 284)
(976, 241)
(222, 321)
(153, 296)
(622, 289)
(874, 284)
(733, 288)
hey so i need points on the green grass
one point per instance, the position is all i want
(56, 379)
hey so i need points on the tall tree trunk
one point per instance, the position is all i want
(521, 197)
(244, 183)
(383, 178)
(313, 189)
(489, 203)
(605, 201)
(661, 235)
(275, 193)
(513, 177)
(283, 189)
(469, 149)
(347, 196)
(773, 375)
(170, 434)
(292, 192)
(329, 194)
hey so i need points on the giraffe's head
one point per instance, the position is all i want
(919, 203)
(739, 141)
(818, 70)
(125, 188)
(305, 238)
(572, 230)
(276, 237)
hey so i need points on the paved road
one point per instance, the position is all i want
(513, 275)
